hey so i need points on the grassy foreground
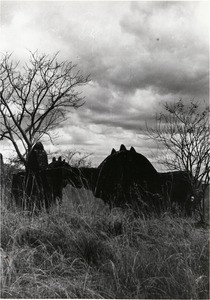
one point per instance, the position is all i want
(82, 250)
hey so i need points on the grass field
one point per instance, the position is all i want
(83, 250)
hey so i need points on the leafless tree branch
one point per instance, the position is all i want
(183, 130)
(37, 97)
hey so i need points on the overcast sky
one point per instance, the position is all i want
(139, 54)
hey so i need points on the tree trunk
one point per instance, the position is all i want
(1, 178)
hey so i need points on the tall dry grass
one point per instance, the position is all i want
(83, 250)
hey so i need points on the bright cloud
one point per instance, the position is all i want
(139, 54)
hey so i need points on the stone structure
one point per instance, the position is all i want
(37, 159)
(128, 179)
(31, 189)
(124, 179)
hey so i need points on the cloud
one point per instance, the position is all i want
(171, 52)
(139, 54)
(124, 46)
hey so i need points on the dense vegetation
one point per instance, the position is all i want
(83, 250)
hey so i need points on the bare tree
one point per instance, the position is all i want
(35, 98)
(75, 158)
(183, 130)
(78, 159)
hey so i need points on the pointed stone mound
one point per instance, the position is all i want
(123, 176)
(37, 159)
(132, 150)
(59, 163)
(38, 146)
(122, 148)
(113, 151)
